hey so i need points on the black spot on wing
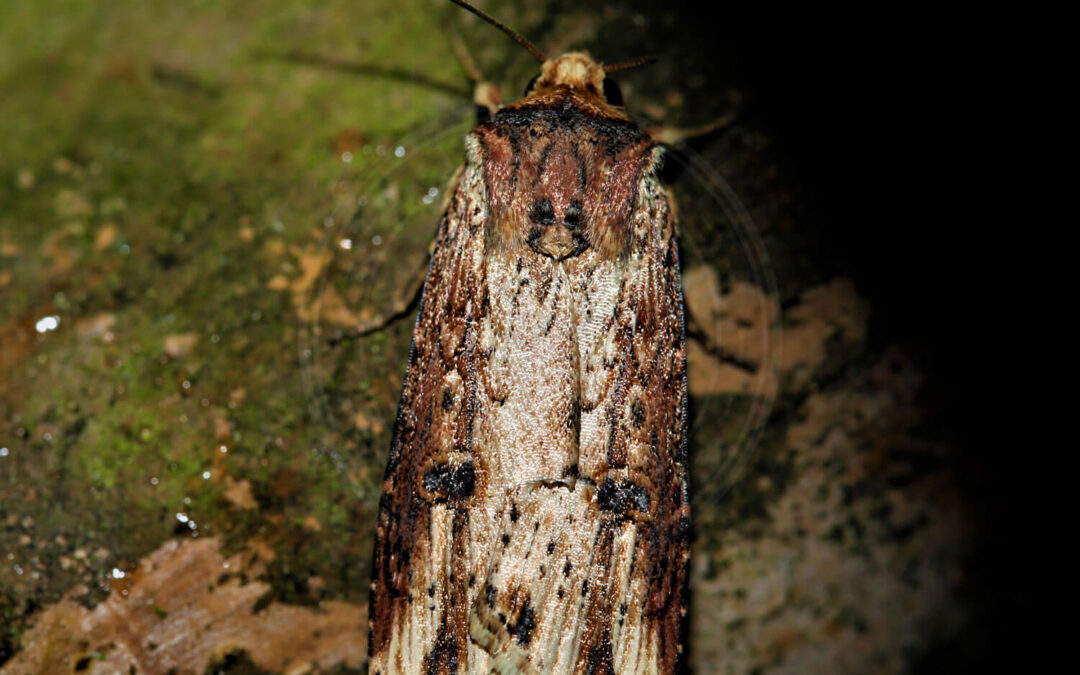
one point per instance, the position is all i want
(620, 496)
(454, 482)
(684, 531)
(526, 623)
(600, 660)
(443, 657)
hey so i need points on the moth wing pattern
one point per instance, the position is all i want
(595, 576)
(422, 527)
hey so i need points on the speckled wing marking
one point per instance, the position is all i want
(422, 575)
(589, 575)
(633, 445)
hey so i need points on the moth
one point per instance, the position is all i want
(534, 515)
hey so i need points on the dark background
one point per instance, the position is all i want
(861, 107)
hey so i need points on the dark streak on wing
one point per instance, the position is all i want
(431, 460)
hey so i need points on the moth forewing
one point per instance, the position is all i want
(534, 515)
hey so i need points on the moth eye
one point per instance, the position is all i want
(531, 84)
(612, 92)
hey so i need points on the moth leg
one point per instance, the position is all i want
(674, 135)
(407, 296)
(403, 302)
(486, 95)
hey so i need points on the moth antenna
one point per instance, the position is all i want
(628, 64)
(504, 28)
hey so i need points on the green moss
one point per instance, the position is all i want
(159, 166)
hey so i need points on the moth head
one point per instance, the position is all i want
(576, 71)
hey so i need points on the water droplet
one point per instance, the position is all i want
(206, 475)
(346, 244)
(399, 151)
(182, 517)
(376, 240)
(4, 452)
(224, 449)
(186, 384)
(154, 480)
(117, 573)
(46, 324)
(346, 156)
